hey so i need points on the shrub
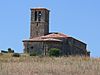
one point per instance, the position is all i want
(2, 51)
(10, 50)
(54, 52)
(16, 55)
(34, 54)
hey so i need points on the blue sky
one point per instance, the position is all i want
(77, 18)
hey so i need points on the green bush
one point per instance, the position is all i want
(16, 55)
(10, 50)
(34, 53)
(54, 52)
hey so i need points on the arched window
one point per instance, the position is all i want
(39, 16)
(35, 15)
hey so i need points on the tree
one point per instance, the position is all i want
(54, 52)
(10, 50)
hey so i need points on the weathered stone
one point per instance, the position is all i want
(41, 41)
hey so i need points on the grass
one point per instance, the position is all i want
(26, 65)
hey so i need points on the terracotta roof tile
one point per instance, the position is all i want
(49, 37)
(55, 35)
(40, 39)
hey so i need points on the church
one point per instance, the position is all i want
(41, 40)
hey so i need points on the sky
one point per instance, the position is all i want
(77, 18)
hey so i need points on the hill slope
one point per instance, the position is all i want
(49, 66)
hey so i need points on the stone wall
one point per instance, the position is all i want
(31, 47)
(39, 22)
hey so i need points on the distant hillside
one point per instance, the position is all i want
(26, 65)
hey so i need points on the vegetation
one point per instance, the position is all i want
(16, 55)
(27, 65)
(10, 50)
(33, 54)
(1, 54)
(54, 52)
(48, 65)
(2, 51)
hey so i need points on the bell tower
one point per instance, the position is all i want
(39, 22)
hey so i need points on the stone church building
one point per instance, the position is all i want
(41, 40)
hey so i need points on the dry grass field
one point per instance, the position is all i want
(26, 65)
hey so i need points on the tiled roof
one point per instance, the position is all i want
(49, 37)
(39, 39)
(55, 35)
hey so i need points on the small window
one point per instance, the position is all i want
(39, 16)
(35, 15)
(37, 24)
(31, 47)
